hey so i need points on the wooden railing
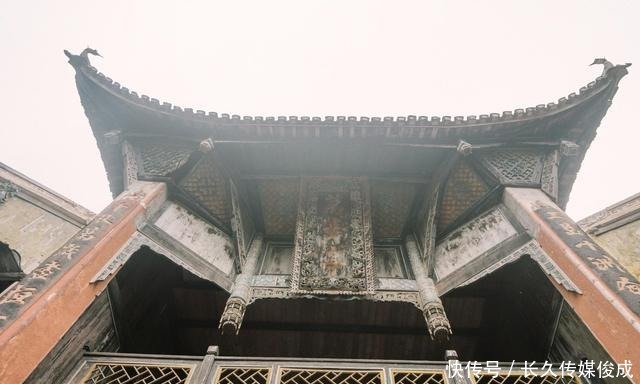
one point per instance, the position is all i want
(99, 368)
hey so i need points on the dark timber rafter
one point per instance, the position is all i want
(434, 196)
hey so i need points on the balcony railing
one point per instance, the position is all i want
(102, 368)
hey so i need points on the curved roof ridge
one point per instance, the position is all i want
(614, 73)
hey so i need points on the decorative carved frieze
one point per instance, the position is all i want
(401, 296)
(515, 167)
(333, 246)
(238, 227)
(612, 217)
(271, 281)
(412, 297)
(549, 177)
(537, 254)
(135, 243)
(130, 164)
(396, 285)
(470, 241)
(120, 258)
(7, 190)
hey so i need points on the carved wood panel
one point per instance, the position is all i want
(333, 247)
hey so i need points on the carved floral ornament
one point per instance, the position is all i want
(333, 241)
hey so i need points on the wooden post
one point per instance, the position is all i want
(204, 372)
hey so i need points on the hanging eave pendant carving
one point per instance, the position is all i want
(333, 242)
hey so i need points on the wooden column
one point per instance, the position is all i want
(608, 305)
(37, 311)
(231, 319)
(437, 321)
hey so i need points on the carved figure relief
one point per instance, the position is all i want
(333, 250)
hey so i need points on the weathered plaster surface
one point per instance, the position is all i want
(32, 231)
(471, 240)
(624, 244)
(198, 236)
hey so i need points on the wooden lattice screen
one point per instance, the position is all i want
(136, 374)
(330, 376)
(522, 379)
(243, 375)
(417, 377)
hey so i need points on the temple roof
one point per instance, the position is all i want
(112, 107)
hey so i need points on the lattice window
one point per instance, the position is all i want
(334, 376)
(137, 374)
(244, 375)
(417, 377)
(521, 379)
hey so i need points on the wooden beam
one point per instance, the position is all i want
(278, 326)
(434, 197)
(45, 304)
(11, 276)
(603, 310)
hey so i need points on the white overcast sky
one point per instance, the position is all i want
(361, 58)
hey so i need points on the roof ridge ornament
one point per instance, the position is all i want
(82, 58)
(607, 65)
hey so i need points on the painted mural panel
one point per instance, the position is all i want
(205, 240)
(389, 262)
(32, 231)
(278, 260)
(472, 240)
(333, 250)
